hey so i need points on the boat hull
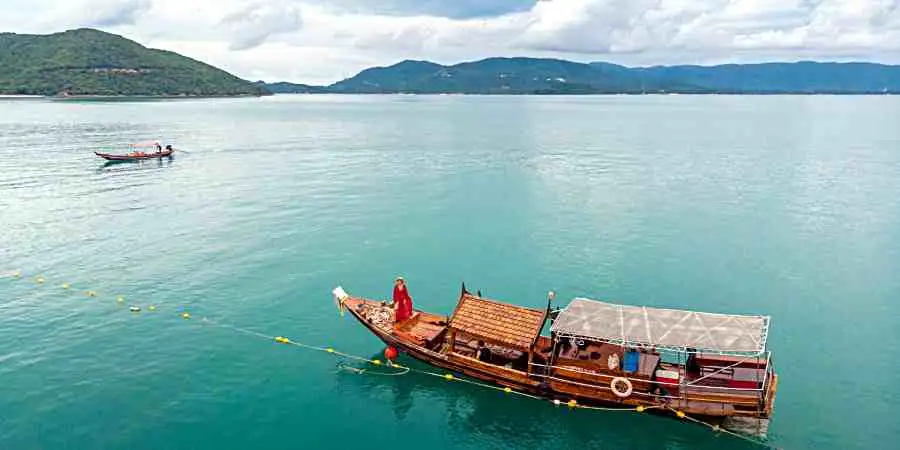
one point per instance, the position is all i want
(534, 384)
(123, 158)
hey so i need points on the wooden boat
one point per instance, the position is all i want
(135, 154)
(711, 367)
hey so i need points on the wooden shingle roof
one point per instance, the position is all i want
(502, 323)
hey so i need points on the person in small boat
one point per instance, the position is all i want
(403, 308)
(158, 148)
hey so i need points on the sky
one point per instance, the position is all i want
(323, 41)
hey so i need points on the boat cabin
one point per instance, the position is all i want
(496, 333)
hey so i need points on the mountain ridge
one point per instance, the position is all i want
(523, 75)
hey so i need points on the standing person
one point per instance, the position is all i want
(403, 308)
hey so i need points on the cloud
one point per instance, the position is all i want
(333, 39)
(713, 28)
(118, 12)
(453, 9)
(251, 26)
(101, 13)
(592, 27)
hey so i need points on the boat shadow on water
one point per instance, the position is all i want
(481, 415)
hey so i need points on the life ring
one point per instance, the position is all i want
(614, 386)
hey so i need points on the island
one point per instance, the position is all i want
(88, 62)
(535, 76)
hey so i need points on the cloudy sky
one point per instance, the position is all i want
(322, 41)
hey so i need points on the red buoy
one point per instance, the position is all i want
(390, 353)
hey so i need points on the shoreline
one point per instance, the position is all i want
(150, 98)
(597, 94)
(146, 97)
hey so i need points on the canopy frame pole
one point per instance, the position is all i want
(767, 381)
(530, 356)
(759, 404)
(451, 341)
(682, 380)
(551, 361)
(647, 324)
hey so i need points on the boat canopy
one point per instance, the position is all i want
(684, 331)
(500, 323)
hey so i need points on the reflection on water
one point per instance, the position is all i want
(476, 414)
(125, 166)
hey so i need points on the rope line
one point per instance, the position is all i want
(402, 370)
(361, 371)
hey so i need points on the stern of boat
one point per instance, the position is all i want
(750, 426)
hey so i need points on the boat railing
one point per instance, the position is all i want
(686, 390)
(767, 381)
(597, 386)
(477, 362)
(713, 371)
(662, 383)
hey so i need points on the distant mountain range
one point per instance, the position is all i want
(92, 62)
(554, 76)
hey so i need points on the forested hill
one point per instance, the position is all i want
(554, 76)
(92, 62)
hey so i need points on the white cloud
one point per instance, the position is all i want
(324, 40)
(455, 9)
(107, 13)
(253, 24)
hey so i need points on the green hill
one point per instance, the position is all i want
(505, 76)
(92, 62)
(553, 76)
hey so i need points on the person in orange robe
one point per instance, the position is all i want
(403, 307)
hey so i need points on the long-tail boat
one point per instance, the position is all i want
(710, 367)
(135, 154)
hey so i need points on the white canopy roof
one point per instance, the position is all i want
(668, 328)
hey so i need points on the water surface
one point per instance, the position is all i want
(786, 206)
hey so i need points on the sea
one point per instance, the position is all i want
(787, 206)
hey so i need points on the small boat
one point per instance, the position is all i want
(710, 367)
(135, 154)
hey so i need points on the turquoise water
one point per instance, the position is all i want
(786, 206)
